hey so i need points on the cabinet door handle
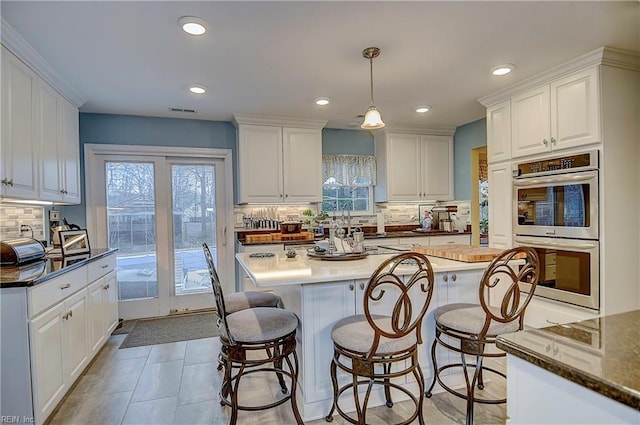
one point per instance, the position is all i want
(106, 287)
(104, 267)
(70, 313)
(454, 277)
(65, 316)
(362, 286)
(286, 195)
(553, 141)
(548, 348)
(67, 286)
(545, 141)
(446, 278)
(351, 287)
(556, 350)
(281, 195)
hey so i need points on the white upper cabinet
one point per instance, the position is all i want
(60, 150)
(413, 167)
(302, 164)
(558, 115)
(40, 138)
(499, 132)
(19, 163)
(279, 164)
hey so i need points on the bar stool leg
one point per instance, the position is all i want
(334, 381)
(429, 393)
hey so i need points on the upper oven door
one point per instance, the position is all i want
(560, 205)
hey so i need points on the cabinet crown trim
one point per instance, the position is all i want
(609, 56)
(278, 121)
(434, 131)
(27, 54)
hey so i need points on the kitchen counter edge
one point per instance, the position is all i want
(601, 385)
(96, 254)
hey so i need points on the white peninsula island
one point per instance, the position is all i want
(322, 292)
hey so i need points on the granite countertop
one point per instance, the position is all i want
(40, 271)
(601, 354)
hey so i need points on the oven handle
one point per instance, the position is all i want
(533, 241)
(555, 179)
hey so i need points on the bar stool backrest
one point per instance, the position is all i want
(217, 292)
(504, 276)
(401, 292)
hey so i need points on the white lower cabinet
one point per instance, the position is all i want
(103, 302)
(51, 331)
(60, 351)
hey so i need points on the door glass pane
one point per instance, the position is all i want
(194, 218)
(131, 226)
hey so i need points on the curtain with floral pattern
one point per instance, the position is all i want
(347, 168)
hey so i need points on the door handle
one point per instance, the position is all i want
(224, 236)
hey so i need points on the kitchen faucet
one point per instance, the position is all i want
(344, 208)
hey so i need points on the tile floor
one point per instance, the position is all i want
(178, 383)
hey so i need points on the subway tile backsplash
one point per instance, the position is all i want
(394, 213)
(12, 215)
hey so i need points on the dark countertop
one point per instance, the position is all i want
(40, 271)
(604, 353)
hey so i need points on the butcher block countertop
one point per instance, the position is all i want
(465, 253)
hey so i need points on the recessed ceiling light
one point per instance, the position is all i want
(503, 69)
(423, 109)
(193, 25)
(322, 101)
(197, 88)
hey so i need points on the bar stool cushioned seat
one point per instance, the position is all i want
(250, 299)
(354, 333)
(469, 318)
(260, 324)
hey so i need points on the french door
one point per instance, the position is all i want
(157, 210)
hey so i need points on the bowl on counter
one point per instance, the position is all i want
(290, 227)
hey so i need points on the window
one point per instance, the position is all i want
(348, 183)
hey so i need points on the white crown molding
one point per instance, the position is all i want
(278, 121)
(27, 54)
(433, 131)
(608, 56)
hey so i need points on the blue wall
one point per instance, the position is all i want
(347, 142)
(152, 131)
(466, 137)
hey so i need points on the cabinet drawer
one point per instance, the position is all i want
(101, 267)
(453, 239)
(541, 314)
(55, 290)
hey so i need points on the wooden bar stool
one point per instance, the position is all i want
(469, 329)
(255, 340)
(380, 347)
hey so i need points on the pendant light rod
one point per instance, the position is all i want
(372, 119)
(370, 53)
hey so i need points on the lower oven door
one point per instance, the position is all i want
(570, 270)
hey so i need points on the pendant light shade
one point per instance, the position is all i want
(372, 119)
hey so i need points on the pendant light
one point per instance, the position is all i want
(372, 119)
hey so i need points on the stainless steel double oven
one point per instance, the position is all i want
(555, 211)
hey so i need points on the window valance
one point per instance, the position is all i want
(349, 169)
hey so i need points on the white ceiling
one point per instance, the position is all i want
(275, 58)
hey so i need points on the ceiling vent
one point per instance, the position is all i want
(187, 110)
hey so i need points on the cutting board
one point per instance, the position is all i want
(466, 253)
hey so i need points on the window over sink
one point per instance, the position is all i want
(348, 183)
